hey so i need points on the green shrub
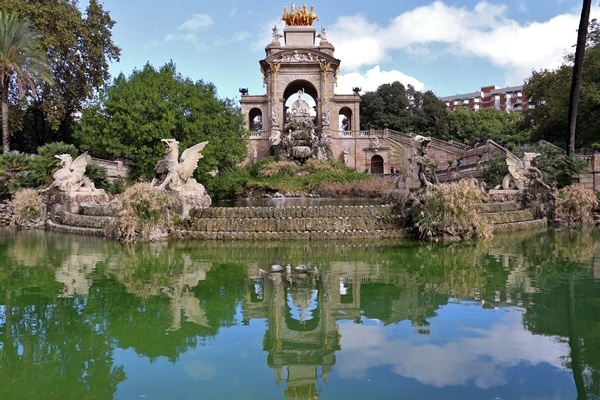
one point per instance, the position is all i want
(228, 184)
(98, 175)
(493, 171)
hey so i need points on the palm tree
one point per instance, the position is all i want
(22, 62)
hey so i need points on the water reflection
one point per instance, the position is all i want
(511, 318)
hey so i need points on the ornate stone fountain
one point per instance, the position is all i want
(300, 140)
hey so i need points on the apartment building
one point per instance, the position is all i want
(506, 99)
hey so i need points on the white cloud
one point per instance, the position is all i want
(480, 356)
(374, 78)
(198, 21)
(439, 31)
(190, 38)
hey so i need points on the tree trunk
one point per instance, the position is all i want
(5, 133)
(577, 73)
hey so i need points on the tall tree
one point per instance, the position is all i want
(80, 47)
(22, 64)
(577, 74)
(134, 114)
(548, 91)
(403, 109)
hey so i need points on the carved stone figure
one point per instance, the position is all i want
(70, 177)
(173, 172)
(521, 173)
(414, 168)
(323, 34)
(326, 118)
(276, 35)
(299, 140)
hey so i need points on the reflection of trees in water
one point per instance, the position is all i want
(164, 299)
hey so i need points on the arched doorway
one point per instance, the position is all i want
(377, 164)
(300, 89)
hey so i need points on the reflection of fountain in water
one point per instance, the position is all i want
(302, 300)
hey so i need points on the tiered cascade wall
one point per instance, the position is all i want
(285, 223)
(290, 223)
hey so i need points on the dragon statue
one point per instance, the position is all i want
(521, 173)
(173, 172)
(70, 178)
(414, 167)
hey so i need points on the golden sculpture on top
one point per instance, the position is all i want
(300, 16)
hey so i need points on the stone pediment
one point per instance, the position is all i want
(300, 56)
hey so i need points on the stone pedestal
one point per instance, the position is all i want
(192, 195)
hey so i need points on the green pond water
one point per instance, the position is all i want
(517, 317)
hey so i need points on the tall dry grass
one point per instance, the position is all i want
(451, 210)
(574, 204)
(143, 211)
(27, 205)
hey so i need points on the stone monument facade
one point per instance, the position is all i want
(300, 116)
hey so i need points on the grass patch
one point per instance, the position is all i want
(325, 178)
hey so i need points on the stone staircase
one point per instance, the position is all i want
(92, 219)
(510, 216)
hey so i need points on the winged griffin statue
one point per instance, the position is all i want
(414, 167)
(70, 177)
(521, 173)
(173, 171)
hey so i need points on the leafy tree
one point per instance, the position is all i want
(133, 114)
(472, 127)
(22, 63)
(80, 47)
(403, 109)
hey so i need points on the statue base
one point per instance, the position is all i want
(191, 195)
(71, 201)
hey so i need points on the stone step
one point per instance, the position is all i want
(98, 210)
(499, 207)
(86, 221)
(79, 230)
(509, 216)
(523, 225)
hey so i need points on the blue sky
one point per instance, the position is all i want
(445, 46)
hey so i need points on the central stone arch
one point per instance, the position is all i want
(300, 88)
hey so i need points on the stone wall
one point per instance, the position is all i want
(285, 223)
